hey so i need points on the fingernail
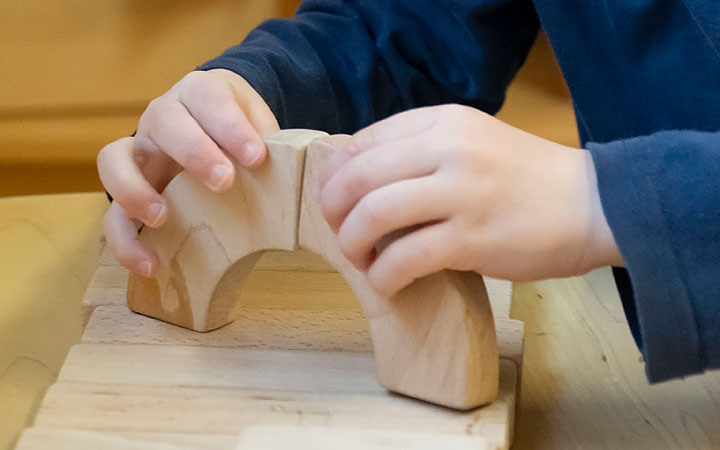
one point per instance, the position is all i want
(155, 213)
(220, 177)
(145, 268)
(250, 154)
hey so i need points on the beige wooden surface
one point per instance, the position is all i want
(582, 387)
(49, 247)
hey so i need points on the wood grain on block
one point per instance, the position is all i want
(340, 330)
(434, 340)
(122, 404)
(108, 286)
(210, 242)
(220, 367)
(500, 295)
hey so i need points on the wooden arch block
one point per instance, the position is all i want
(435, 340)
(210, 242)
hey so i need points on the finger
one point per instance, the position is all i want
(125, 182)
(416, 255)
(400, 126)
(121, 234)
(212, 103)
(166, 125)
(157, 167)
(370, 170)
(390, 208)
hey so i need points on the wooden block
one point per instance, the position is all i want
(156, 365)
(500, 295)
(211, 242)
(108, 286)
(434, 340)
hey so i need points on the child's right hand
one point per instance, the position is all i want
(202, 124)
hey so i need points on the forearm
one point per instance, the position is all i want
(339, 66)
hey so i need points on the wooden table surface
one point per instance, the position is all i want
(583, 384)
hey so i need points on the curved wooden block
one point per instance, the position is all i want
(211, 242)
(435, 340)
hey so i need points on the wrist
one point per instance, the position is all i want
(602, 250)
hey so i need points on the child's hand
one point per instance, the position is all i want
(204, 122)
(467, 192)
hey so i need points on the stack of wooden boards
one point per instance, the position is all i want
(295, 369)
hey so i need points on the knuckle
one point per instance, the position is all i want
(363, 139)
(123, 255)
(154, 113)
(132, 200)
(228, 130)
(198, 157)
(193, 79)
(156, 104)
(347, 245)
(401, 258)
(103, 155)
(374, 209)
(379, 279)
(356, 182)
(422, 252)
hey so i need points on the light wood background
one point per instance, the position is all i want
(77, 75)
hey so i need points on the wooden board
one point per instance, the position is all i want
(296, 370)
(272, 437)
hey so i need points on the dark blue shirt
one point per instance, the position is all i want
(645, 81)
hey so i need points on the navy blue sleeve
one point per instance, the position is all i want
(661, 196)
(341, 65)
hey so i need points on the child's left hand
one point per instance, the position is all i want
(479, 195)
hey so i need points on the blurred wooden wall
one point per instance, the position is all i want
(77, 75)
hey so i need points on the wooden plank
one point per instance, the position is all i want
(69, 439)
(319, 438)
(259, 328)
(156, 365)
(251, 438)
(164, 408)
(343, 330)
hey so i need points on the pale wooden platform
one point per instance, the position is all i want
(294, 371)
